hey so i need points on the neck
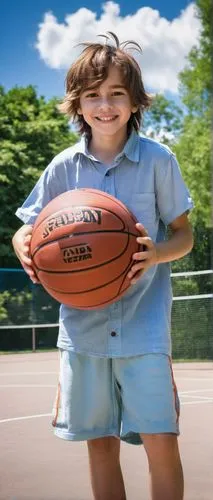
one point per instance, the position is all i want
(106, 148)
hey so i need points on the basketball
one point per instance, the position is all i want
(82, 246)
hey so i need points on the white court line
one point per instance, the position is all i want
(25, 385)
(24, 418)
(181, 393)
(203, 398)
(197, 390)
(50, 414)
(210, 379)
(4, 374)
(192, 402)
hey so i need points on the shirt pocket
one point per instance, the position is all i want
(143, 206)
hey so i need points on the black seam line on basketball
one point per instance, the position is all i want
(96, 288)
(83, 206)
(116, 200)
(104, 195)
(103, 303)
(59, 238)
(95, 306)
(91, 289)
(128, 268)
(114, 298)
(87, 268)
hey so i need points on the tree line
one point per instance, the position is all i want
(33, 131)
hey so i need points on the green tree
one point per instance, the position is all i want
(194, 146)
(196, 78)
(163, 121)
(194, 152)
(189, 135)
(193, 149)
(32, 132)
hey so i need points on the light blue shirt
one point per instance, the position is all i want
(146, 177)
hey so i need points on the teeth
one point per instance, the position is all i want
(108, 119)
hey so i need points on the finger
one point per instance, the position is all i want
(140, 255)
(31, 274)
(34, 279)
(136, 277)
(141, 228)
(29, 271)
(144, 240)
(26, 251)
(25, 259)
(27, 230)
(28, 238)
(135, 269)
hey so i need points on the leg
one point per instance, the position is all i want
(105, 470)
(166, 475)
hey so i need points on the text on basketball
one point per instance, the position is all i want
(88, 215)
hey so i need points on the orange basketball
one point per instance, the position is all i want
(82, 246)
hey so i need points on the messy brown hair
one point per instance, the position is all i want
(91, 69)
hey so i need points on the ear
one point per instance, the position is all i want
(134, 109)
(79, 111)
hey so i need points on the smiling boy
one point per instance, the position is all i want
(107, 111)
(116, 379)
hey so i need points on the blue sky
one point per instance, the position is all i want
(20, 29)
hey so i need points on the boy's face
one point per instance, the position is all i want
(107, 108)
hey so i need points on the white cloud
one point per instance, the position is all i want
(165, 43)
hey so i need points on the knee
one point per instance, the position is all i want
(161, 446)
(106, 446)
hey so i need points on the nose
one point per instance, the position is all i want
(105, 102)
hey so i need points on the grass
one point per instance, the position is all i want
(27, 351)
(195, 360)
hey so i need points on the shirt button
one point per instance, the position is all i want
(113, 334)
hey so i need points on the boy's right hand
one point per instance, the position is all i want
(21, 245)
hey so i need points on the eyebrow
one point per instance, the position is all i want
(116, 86)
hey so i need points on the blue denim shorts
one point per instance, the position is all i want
(121, 397)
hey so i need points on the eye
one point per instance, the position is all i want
(91, 94)
(118, 93)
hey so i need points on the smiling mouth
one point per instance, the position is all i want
(106, 119)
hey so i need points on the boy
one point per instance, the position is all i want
(116, 378)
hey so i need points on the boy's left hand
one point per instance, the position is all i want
(146, 258)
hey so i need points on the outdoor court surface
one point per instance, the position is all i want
(35, 465)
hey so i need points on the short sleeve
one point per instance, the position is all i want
(173, 197)
(44, 191)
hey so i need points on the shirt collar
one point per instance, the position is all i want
(131, 149)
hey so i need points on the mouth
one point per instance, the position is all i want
(106, 119)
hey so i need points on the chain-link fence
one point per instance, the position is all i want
(192, 315)
(29, 316)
